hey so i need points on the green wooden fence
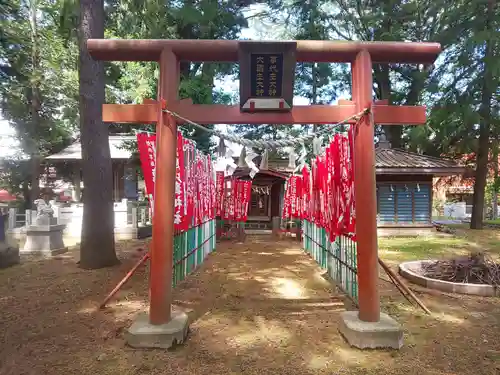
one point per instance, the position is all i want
(191, 248)
(337, 257)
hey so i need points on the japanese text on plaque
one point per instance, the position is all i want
(266, 75)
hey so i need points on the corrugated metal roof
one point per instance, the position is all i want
(74, 151)
(396, 158)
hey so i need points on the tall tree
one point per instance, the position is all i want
(313, 79)
(97, 248)
(465, 111)
(488, 85)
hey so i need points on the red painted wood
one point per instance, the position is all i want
(227, 50)
(365, 193)
(222, 114)
(162, 245)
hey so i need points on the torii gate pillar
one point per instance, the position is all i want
(365, 194)
(164, 326)
(368, 328)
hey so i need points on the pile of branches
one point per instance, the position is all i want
(475, 268)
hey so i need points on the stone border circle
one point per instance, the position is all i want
(411, 271)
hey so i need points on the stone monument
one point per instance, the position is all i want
(45, 236)
(9, 254)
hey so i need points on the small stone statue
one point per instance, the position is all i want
(44, 212)
(44, 237)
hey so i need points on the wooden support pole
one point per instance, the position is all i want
(403, 287)
(124, 280)
(163, 218)
(364, 182)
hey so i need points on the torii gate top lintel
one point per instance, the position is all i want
(227, 50)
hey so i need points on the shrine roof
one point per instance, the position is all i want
(264, 175)
(397, 161)
(116, 142)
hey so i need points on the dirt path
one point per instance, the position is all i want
(256, 308)
(253, 308)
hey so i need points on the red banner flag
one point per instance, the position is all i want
(146, 144)
(324, 192)
(180, 214)
(194, 181)
(219, 193)
(247, 195)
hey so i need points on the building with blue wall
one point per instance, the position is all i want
(404, 185)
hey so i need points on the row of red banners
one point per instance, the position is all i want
(235, 198)
(324, 193)
(232, 198)
(195, 186)
(200, 193)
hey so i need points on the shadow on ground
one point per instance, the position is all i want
(256, 308)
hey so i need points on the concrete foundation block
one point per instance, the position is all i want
(386, 333)
(44, 240)
(142, 334)
(44, 253)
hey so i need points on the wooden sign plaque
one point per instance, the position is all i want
(267, 72)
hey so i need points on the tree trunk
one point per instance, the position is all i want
(494, 200)
(314, 93)
(481, 176)
(483, 145)
(394, 133)
(26, 195)
(185, 31)
(35, 106)
(97, 248)
(35, 179)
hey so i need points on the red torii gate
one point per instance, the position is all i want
(168, 53)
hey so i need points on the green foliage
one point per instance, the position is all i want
(13, 182)
(459, 81)
(38, 90)
(201, 19)
(306, 20)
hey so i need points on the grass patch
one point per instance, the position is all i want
(496, 221)
(464, 241)
(483, 240)
(434, 218)
(405, 248)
